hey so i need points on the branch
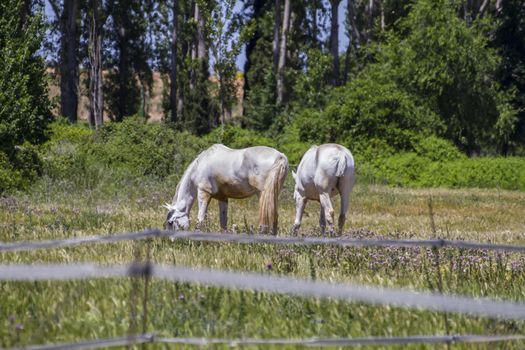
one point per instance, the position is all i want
(56, 8)
(483, 7)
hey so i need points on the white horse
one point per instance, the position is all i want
(221, 173)
(324, 171)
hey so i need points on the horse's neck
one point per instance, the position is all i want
(186, 194)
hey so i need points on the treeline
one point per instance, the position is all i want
(451, 69)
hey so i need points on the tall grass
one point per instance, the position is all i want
(43, 312)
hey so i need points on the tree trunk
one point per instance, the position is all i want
(123, 69)
(498, 5)
(275, 44)
(258, 6)
(96, 105)
(370, 21)
(354, 41)
(281, 98)
(202, 50)
(173, 73)
(315, 28)
(68, 60)
(334, 41)
(382, 10)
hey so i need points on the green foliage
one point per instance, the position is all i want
(24, 104)
(127, 59)
(225, 48)
(118, 152)
(366, 109)
(449, 66)
(10, 178)
(237, 137)
(509, 38)
(436, 149)
(199, 112)
(413, 170)
(312, 88)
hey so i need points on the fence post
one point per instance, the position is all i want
(147, 278)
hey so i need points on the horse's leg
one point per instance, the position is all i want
(204, 200)
(300, 203)
(322, 220)
(326, 204)
(345, 187)
(223, 212)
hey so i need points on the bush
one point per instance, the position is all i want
(127, 151)
(436, 148)
(10, 178)
(367, 108)
(237, 137)
(503, 173)
(413, 170)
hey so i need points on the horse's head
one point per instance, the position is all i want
(176, 219)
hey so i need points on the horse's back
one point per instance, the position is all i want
(334, 159)
(236, 173)
(323, 167)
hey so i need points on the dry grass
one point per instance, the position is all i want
(58, 311)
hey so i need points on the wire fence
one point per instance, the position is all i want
(312, 342)
(262, 239)
(507, 310)
(273, 284)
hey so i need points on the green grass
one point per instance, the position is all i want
(41, 312)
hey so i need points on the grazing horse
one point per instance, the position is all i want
(324, 171)
(222, 173)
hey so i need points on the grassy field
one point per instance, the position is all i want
(63, 311)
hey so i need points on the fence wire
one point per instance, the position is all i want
(274, 284)
(93, 344)
(250, 239)
(317, 342)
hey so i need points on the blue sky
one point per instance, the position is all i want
(241, 59)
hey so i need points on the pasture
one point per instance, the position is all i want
(43, 312)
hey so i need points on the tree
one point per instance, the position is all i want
(96, 98)
(225, 47)
(510, 40)
(276, 31)
(282, 54)
(334, 40)
(174, 97)
(25, 107)
(68, 20)
(128, 58)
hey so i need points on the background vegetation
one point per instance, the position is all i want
(428, 93)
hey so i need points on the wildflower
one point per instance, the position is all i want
(182, 297)
(269, 266)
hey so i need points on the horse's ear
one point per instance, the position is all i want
(294, 175)
(167, 206)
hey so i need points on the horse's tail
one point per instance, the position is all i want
(341, 165)
(269, 198)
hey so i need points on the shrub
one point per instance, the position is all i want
(367, 108)
(486, 172)
(10, 178)
(413, 170)
(131, 150)
(436, 148)
(237, 137)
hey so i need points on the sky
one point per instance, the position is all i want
(241, 59)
